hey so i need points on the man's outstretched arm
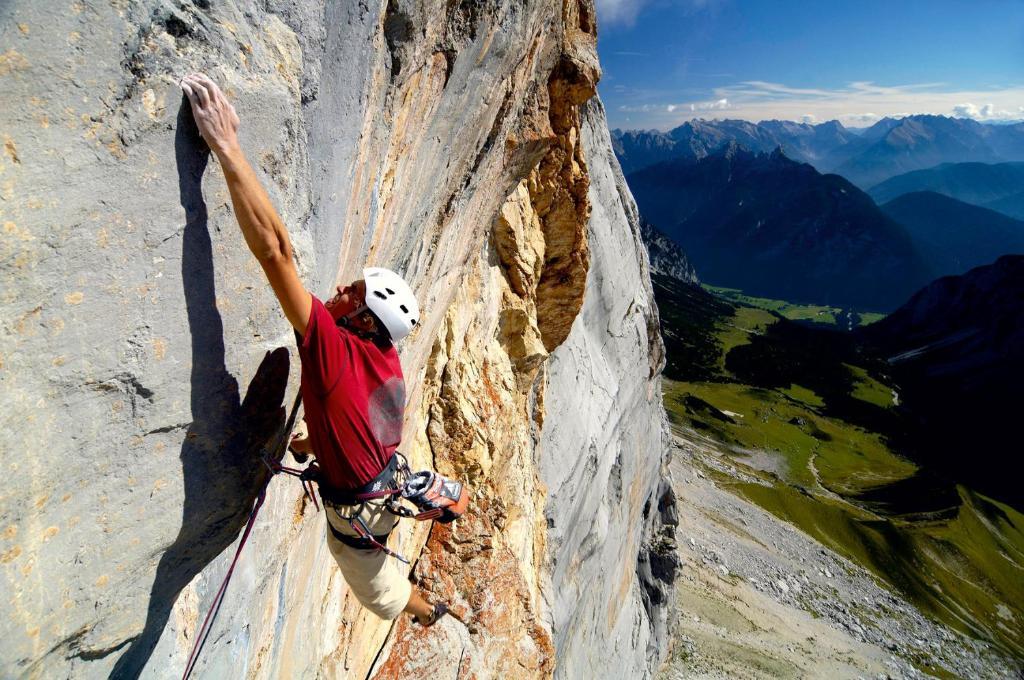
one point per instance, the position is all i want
(264, 232)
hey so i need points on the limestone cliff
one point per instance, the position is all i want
(146, 368)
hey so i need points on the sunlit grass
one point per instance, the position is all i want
(846, 459)
(962, 564)
(804, 395)
(870, 390)
(737, 331)
(823, 314)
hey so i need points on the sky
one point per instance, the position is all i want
(668, 61)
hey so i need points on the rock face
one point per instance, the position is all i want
(146, 366)
(665, 256)
(607, 445)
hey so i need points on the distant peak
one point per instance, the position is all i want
(732, 149)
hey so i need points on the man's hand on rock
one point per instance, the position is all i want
(215, 116)
(300, 445)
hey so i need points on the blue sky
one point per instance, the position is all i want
(666, 61)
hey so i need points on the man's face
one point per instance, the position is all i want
(346, 299)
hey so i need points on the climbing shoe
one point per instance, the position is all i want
(439, 610)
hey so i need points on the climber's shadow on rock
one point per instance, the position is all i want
(220, 456)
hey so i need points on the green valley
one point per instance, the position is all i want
(813, 419)
(818, 314)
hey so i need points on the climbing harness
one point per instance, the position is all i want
(437, 498)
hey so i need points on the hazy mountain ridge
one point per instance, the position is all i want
(696, 139)
(997, 186)
(889, 147)
(778, 228)
(923, 141)
(952, 235)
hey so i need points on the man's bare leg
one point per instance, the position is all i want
(419, 607)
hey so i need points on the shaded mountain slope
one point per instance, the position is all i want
(665, 256)
(956, 350)
(805, 423)
(780, 229)
(976, 183)
(1011, 205)
(955, 236)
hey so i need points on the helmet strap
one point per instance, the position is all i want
(346, 322)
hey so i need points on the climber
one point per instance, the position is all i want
(352, 384)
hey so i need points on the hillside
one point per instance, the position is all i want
(954, 236)
(802, 423)
(956, 349)
(779, 229)
(975, 183)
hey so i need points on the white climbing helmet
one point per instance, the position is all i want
(390, 298)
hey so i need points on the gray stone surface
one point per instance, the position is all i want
(604, 460)
(145, 366)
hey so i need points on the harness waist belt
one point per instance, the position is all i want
(381, 482)
(357, 542)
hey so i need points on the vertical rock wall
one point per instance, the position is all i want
(145, 366)
(605, 448)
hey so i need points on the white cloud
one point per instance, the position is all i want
(857, 103)
(612, 13)
(717, 105)
(858, 119)
(986, 112)
(618, 12)
(808, 119)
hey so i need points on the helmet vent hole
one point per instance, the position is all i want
(404, 308)
(379, 294)
(390, 292)
(414, 322)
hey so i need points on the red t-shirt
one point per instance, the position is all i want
(354, 397)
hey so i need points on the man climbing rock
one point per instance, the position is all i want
(352, 385)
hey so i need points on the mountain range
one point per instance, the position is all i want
(695, 139)
(890, 147)
(954, 236)
(780, 229)
(998, 186)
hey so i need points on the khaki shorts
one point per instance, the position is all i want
(373, 577)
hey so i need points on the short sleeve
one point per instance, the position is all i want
(325, 351)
